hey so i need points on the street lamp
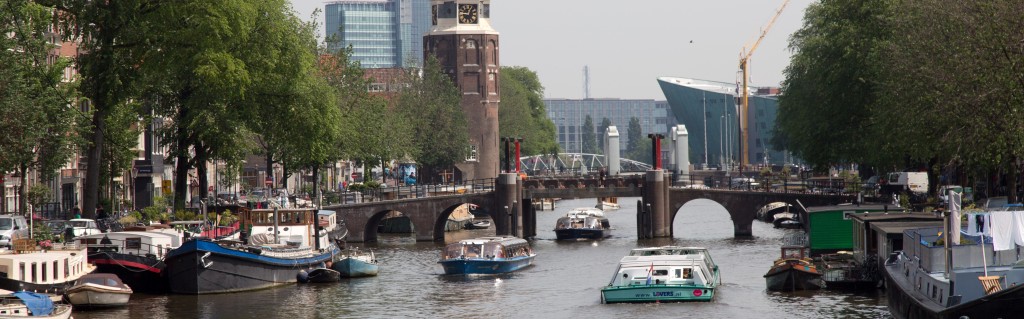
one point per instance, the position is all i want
(704, 98)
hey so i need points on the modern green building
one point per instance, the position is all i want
(709, 111)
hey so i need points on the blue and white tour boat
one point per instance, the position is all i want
(486, 255)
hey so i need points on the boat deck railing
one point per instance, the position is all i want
(123, 246)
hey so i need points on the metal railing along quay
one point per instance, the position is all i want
(408, 191)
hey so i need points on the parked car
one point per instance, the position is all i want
(82, 227)
(995, 202)
(870, 185)
(8, 225)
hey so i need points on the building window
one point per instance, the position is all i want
(472, 154)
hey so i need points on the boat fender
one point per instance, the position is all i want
(255, 250)
(302, 276)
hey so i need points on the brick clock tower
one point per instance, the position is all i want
(462, 40)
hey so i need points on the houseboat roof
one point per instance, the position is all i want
(848, 207)
(895, 216)
(659, 260)
(482, 240)
(901, 226)
(150, 234)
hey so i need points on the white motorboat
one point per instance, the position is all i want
(25, 304)
(99, 290)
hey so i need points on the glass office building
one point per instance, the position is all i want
(710, 112)
(570, 114)
(382, 33)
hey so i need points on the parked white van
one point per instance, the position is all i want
(8, 225)
(915, 182)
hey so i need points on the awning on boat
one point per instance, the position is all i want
(38, 304)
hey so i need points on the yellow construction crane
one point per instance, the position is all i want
(745, 68)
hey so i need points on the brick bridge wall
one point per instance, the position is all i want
(429, 215)
(743, 205)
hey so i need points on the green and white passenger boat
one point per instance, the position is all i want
(663, 274)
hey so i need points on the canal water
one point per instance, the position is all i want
(565, 281)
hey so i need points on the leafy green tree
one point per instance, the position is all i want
(605, 123)
(958, 103)
(588, 136)
(113, 38)
(35, 116)
(831, 82)
(639, 145)
(523, 113)
(432, 108)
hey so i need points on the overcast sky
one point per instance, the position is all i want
(629, 44)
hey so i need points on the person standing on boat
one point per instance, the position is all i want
(100, 213)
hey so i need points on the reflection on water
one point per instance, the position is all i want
(564, 282)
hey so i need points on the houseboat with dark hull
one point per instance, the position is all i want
(282, 242)
(136, 257)
(979, 283)
(793, 271)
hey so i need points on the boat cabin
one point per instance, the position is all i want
(141, 243)
(578, 223)
(487, 248)
(327, 220)
(793, 252)
(290, 227)
(50, 267)
(663, 270)
(830, 228)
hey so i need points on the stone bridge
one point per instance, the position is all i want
(510, 205)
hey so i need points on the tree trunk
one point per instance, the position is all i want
(201, 170)
(316, 185)
(22, 193)
(1011, 181)
(284, 176)
(383, 172)
(93, 164)
(270, 168)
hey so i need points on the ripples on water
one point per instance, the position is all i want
(564, 282)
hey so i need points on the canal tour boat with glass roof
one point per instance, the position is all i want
(583, 223)
(663, 274)
(486, 255)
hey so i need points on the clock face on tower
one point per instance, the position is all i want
(468, 14)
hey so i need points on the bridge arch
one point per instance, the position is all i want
(677, 218)
(425, 214)
(442, 220)
(743, 206)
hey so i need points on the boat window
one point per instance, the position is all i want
(679, 273)
(21, 267)
(6, 223)
(66, 270)
(32, 271)
(493, 250)
(79, 223)
(661, 272)
(133, 243)
(55, 267)
(43, 272)
(687, 273)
